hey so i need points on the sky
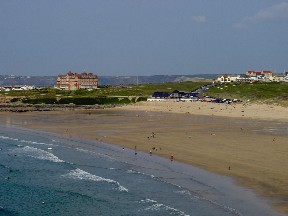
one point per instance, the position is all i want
(142, 37)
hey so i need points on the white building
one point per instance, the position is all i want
(227, 78)
(17, 88)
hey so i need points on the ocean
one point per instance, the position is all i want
(43, 173)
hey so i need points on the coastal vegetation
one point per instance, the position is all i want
(274, 92)
(104, 95)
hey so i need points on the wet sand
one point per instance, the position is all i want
(254, 151)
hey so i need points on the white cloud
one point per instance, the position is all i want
(277, 12)
(199, 18)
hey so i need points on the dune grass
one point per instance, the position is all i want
(276, 93)
(273, 92)
(130, 91)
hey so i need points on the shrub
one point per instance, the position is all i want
(141, 99)
(93, 101)
(40, 101)
(13, 100)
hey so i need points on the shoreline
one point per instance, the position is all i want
(212, 142)
(198, 184)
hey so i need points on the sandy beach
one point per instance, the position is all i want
(245, 141)
(239, 110)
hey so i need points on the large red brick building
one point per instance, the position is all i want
(75, 81)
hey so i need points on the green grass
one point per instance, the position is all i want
(139, 92)
(261, 92)
(146, 90)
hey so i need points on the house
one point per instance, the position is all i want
(75, 81)
(17, 88)
(283, 78)
(192, 95)
(260, 73)
(178, 95)
(246, 78)
(161, 95)
(227, 78)
(22, 88)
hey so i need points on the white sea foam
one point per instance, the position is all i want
(36, 143)
(37, 153)
(83, 150)
(24, 141)
(8, 138)
(83, 175)
(121, 188)
(133, 172)
(184, 192)
(136, 172)
(155, 206)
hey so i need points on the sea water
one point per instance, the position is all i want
(47, 174)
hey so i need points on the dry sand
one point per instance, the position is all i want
(241, 110)
(251, 147)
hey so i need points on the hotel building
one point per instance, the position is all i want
(75, 81)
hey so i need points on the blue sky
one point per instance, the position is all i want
(142, 37)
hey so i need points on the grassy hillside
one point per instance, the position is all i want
(131, 91)
(261, 92)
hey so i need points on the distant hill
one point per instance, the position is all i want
(50, 81)
(43, 81)
(125, 80)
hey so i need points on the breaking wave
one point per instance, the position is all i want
(25, 141)
(37, 153)
(83, 175)
(136, 172)
(155, 206)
